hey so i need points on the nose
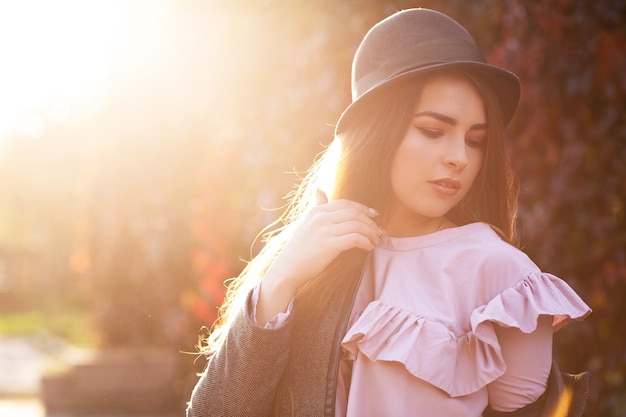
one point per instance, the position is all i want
(456, 156)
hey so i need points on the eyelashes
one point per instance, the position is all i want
(479, 143)
(430, 133)
(476, 144)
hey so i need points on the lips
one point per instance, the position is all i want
(446, 186)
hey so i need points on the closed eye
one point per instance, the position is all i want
(430, 133)
(476, 143)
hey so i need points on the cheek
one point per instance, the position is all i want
(395, 176)
(476, 166)
(400, 169)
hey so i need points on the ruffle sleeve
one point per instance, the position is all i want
(461, 365)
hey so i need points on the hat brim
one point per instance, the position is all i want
(506, 87)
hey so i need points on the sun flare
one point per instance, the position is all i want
(55, 56)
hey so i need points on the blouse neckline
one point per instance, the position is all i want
(431, 239)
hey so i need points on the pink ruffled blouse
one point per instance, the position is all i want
(423, 338)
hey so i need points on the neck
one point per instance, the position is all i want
(416, 228)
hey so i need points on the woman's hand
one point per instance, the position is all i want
(325, 232)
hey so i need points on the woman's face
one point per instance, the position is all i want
(440, 156)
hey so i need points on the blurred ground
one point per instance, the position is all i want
(23, 359)
(25, 407)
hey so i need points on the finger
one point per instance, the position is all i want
(339, 205)
(340, 216)
(321, 197)
(354, 240)
(370, 231)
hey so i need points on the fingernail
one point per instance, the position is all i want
(381, 231)
(321, 197)
(374, 212)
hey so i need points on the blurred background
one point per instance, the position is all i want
(145, 143)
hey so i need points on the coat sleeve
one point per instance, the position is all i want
(565, 396)
(242, 377)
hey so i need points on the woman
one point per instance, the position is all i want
(394, 287)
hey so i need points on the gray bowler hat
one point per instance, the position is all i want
(416, 41)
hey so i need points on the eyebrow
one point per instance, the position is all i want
(449, 120)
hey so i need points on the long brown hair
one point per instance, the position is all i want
(359, 162)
